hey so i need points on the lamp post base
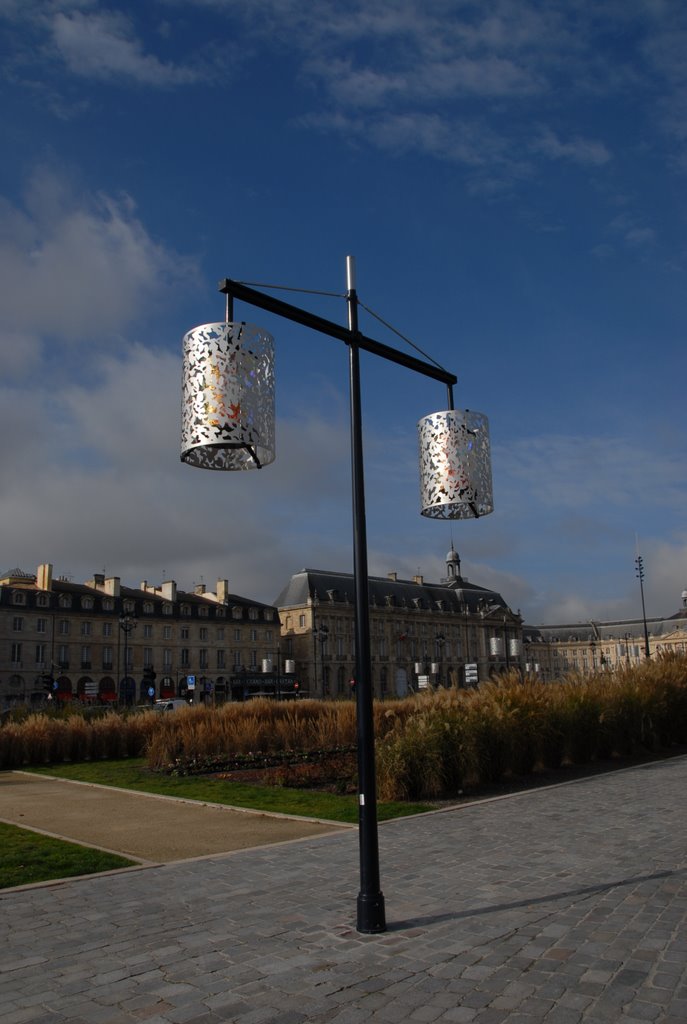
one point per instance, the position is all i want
(371, 917)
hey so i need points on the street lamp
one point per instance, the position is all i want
(127, 622)
(322, 635)
(228, 424)
(639, 566)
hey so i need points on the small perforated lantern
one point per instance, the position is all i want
(227, 417)
(455, 465)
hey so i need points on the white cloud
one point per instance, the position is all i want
(103, 45)
(593, 472)
(76, 268)
(577, 149)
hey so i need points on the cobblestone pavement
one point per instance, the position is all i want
(565, 906)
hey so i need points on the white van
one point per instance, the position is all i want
(174, 704)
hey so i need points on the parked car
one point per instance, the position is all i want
(173, 704)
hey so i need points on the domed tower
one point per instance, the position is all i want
(453, 565)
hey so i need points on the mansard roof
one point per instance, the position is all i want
(337, 587)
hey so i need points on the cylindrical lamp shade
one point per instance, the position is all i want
(266, 664)
(455, 465)
(289, 666)
(227, 414)
(495, 646)
(514, 648)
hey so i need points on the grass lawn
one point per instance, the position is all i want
(27, 857)
(134, 774)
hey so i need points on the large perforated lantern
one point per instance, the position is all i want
(227, 416)
(455, 465)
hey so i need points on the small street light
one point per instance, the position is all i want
(639, 566)
(228, 424)
(127, 623)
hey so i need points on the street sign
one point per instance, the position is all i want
(191, 682)
(471, 674)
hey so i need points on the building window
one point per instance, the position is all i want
(16, 654)
(237, 612)
(237, 635)
(107, 629)
(63, 627)
(185, 662)
(167, 609)
(221, 659)
(85, 629)
(107, 659)
(253, 613)
(253, 636)
(203, 654)
(40, 654)
(203, 611)
(184, 632)
(42, 600)
(203, 632)
(129, 607)
(87, 602)
(253, 659)
(17, 624)
(19, 598)
(237, 659)
(185, 610)
(63, 655)
(167, 659)
(41, 625)
(166, 632)
(220, 633)
(148, 607)
(147, 631)
(220, 613)
(268, 614)
(65, 601)
(85, 657)
(147, 657)
(108, 604)
(301, 621)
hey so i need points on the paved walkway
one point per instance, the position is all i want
(563, 906)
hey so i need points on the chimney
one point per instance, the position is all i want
(112, 586)
(199, 589)
(222, 591)
(169, 590)
(98, 580)
(44, 576)
(393, 576)
(418, 579)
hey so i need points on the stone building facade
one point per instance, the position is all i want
(104, 643)
(422, 634)
(587, 647)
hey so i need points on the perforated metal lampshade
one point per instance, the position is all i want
(455, 465)
(227, 415)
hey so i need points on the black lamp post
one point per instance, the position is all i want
(127, 622)
(322, 635)
(227, 423)
(639, 566)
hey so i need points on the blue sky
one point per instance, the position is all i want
(510, 178)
